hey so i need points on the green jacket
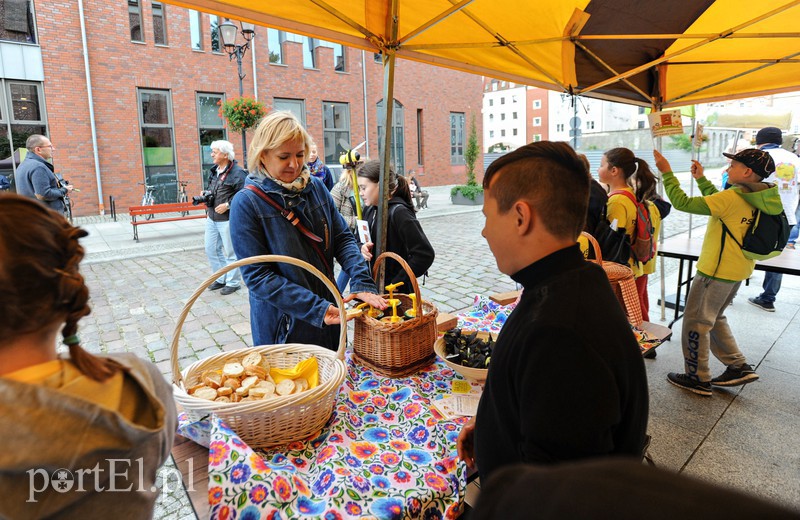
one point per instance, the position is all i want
(736, 207)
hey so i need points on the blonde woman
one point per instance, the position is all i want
(282, 212)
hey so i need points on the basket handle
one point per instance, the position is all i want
(177, 377)
(409, 272)
(598, 255)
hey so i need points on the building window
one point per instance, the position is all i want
(457, 131)
(398, 140)
(491, 118)
(295, 106)
(494, 85)
(514, 99)
(336, 130)
(491, 134)
(159, 24)
(212, 128)
(514, 115)
(215, 36)
(158, 150)
(195, 30)
(18, 22)
(590, 125)
(502, 133)
(274, 39)
(502, 117)
(641, 110)
(135, 20)
(514, 131)
(537, 121)
(491, 102)
(502, 101)
(23, 103)
(537, 103)
(537, 137)
(560, 127)
(640, 124)
(309, 60)
(339, 57)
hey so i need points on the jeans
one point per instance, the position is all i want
(219, 250)
(793, 234)
(342, 280)
(705, 328)
(771, 286)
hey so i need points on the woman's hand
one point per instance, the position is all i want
(697, 169)
(464, 444)
(371, 299)
(661, 162)
(332, 316)
(366, 251)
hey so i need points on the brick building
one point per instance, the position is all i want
(157, 72)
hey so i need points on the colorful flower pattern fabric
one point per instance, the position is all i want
(385, 454)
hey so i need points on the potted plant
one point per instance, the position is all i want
(471, 193)
(242, 113)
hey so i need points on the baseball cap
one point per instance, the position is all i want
(757, 160)
(769, 134)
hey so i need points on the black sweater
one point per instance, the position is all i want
(406, 238)
(566, 380)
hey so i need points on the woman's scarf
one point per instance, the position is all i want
(297, 185)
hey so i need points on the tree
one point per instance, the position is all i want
(471, 189)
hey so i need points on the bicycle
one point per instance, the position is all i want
(182, 195)
(148, 199)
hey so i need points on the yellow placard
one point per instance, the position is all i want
(308, 369)
(461, 387)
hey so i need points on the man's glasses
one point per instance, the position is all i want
(47, 146)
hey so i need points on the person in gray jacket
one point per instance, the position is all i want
(36, 177)
(84, 436)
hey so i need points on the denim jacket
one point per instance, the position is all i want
(287, 303)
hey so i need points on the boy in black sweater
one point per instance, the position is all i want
(566, 380)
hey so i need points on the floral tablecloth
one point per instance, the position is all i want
(385, 453)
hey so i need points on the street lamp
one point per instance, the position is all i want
(228, 31)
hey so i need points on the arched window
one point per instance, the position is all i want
(398, 139)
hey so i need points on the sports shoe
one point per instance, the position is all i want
(761, 304)
(683, 381)
(736, 376)
(228, 290)
(215, 286)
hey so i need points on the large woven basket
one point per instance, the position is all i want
(622, 281)
(397, 349)
(275, 421)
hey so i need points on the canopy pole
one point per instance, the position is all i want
(691, 179)
(389, 58)
(656, 107)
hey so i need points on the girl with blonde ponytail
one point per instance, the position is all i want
(70, 412)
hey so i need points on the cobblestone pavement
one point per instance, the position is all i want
(136, 302)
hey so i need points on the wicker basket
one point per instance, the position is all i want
(397, 349)
(622, 281)
(278, 420)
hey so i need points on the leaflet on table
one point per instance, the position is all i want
(452, 406)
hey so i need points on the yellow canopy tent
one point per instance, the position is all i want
(657, 53)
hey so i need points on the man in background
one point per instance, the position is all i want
(36, 177)
(787, 171)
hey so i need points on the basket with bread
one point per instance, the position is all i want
(269, 395)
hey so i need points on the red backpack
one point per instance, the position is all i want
(643, 241)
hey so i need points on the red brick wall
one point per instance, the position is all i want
(119, 67)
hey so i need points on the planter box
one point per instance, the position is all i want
(460, 200)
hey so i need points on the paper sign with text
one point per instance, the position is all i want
(363, 231)
(665, 123)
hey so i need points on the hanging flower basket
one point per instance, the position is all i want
(242, 113)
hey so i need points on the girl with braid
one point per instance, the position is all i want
(83, 435)
(628, 175)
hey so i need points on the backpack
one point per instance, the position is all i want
(643, 241)
(766, 236)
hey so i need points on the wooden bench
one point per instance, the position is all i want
(181, 208)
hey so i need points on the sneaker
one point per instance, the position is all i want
(736, 376)
(789, 245)
(228, 290)
(761, 304)
(683, 381)
(216, 286)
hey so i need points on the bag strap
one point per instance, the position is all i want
(289, 215)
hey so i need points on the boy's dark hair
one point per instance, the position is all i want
(550, 177)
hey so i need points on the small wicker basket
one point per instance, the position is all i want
(275, 421)
(622, 281)
(397, 349)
